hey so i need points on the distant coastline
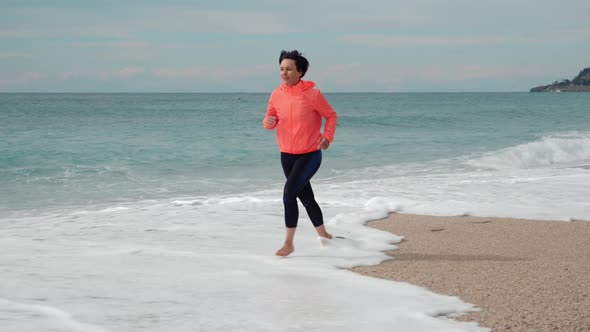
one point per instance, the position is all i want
(580, 83)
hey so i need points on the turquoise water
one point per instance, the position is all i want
(71, 150)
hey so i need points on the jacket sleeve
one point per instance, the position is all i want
(270, 111)
(326, 111)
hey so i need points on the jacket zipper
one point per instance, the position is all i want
(291, 121)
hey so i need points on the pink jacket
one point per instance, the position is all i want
(299, 110)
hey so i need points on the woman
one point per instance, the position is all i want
(296, 109)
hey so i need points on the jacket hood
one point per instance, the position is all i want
(301, 86)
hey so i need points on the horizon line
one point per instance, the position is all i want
(235, 92)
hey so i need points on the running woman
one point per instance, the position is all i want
(296, 110)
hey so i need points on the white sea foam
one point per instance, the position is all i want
(207, 263)
(550, 150)
(210, 267)
(32, 317)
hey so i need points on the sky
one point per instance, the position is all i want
(233, 46)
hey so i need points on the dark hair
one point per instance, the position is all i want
(301, 62)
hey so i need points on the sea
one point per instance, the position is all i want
(162, 212)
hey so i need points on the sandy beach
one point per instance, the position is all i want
(524, 275)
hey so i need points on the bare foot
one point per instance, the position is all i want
(322, 232)
(285, 250)
(325, 238)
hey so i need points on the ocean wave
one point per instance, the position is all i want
(550, 150)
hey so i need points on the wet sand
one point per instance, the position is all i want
(524, 275)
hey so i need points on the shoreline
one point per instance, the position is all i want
(524, 275)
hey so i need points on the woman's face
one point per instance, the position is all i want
(289, 73)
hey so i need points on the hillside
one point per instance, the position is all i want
(580, 83)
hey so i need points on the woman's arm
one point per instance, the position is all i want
(270, 121)
(326, 111)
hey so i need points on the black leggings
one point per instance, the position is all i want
(299, 168)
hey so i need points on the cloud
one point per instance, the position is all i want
(159, 78)
(17, 32)
(374, 40)
(121, 74)
(577, 35)
(354, 76)
(21, 79)
(485, 72)
(6, 55)
(407, 77)
(180, 73)
(154, 46)
(208, 73)
(413, 41)
(216, 21)
(69, 75)
(125, 48)
(129, 22)
(117, 44)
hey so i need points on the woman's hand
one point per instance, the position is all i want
(271, 121)
(323, 143)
